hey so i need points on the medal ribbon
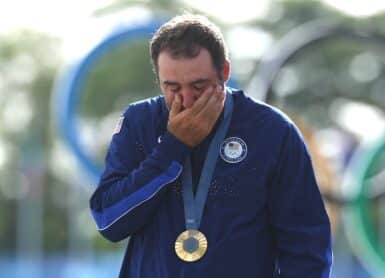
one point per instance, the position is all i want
(193, 207)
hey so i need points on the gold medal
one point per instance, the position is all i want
(191, 245)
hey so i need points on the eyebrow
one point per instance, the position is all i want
(195, 82)
(199, 81)
(170, 83)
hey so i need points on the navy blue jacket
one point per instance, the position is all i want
(264, 216)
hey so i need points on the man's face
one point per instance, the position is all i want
(188, 77)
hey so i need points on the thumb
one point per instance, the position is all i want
(175, 106)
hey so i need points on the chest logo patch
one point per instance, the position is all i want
(233, 150)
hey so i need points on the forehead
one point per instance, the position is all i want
(181, 69)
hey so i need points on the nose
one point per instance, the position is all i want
(188, 98)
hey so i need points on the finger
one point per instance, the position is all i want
(214, 102)
(213, 109)
(175, 106)
(220, 91)
(202, 100)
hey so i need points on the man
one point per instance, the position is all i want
(206, 181)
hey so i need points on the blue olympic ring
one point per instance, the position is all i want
(69, 90)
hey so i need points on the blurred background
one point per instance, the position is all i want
(69, 68)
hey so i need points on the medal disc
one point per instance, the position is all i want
(191, 245)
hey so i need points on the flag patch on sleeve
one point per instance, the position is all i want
(118, 126)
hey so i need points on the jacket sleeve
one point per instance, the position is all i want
(297, 214)
(131, 185)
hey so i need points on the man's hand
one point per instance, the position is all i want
(194, 124)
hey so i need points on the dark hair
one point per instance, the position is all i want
(185, 36)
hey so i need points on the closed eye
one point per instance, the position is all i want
(172, 87)
(200, 85)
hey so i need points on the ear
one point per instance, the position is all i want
(226, 71)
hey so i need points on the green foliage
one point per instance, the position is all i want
(122, 76)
